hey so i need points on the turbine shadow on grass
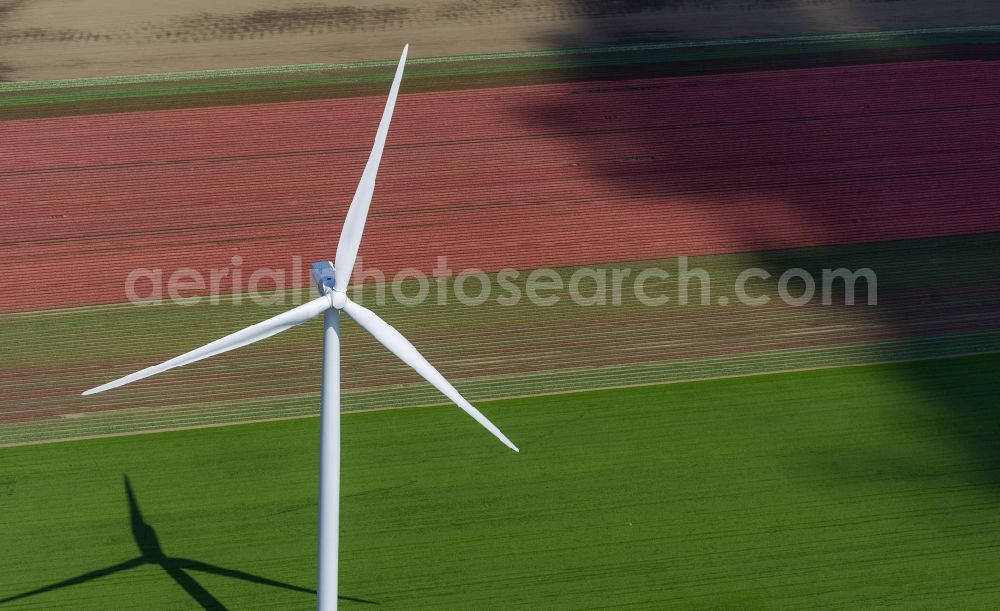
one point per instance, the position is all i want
(151, 553)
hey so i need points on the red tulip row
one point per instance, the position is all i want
(523, 177)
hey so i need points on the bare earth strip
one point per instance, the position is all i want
(54, 39)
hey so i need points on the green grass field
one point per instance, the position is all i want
(852, 487)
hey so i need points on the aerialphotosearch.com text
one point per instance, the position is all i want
(675, 282)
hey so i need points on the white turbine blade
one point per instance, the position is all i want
(401, 347)
(251, 334)
(354, 222)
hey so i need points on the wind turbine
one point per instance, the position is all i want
(332, 280)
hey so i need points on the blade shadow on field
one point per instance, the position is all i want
(151, 553)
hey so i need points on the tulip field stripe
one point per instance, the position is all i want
(843, 488)
(493, 351)
(518, 177)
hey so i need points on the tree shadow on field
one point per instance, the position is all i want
(151, 553)
(844, 168)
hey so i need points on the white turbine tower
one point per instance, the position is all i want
(332, 281)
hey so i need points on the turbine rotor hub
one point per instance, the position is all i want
(338, 299)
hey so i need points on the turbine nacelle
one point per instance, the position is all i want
(325, 277)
